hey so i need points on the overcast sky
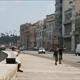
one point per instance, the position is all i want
(14, 13)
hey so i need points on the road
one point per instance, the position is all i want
(38, 68)
(70, 59)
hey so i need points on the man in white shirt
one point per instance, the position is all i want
(14, 54)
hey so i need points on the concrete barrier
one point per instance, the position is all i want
(7, 71)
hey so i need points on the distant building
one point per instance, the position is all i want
(23, 36)
(39, 34)
(48, 29)
(28, 35)
(31, 37)
(58, 22)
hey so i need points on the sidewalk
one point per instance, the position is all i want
(66, 57)
(37, 68)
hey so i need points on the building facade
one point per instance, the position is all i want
(24, 40)
(48, 31)
(67, 23)
(32, 37)
(58, 23)
(28, 35)
(70, 23)
(39, 34)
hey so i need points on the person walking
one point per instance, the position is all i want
(55, 55)
(60, 55)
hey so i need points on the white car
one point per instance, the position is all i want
(77, 51)
(2, 47)
(41, 50)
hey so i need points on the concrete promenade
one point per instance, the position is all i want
(37, 68)
(7, 71)
(70, 59)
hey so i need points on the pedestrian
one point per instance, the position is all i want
(55, 55)
(60, 55)
(17, 59)
(14, 55)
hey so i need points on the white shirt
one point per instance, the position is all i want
(13, 54)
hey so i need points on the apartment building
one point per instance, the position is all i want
(70, 23)
(48, 31)
(39, 34)
(24, 34)
(58, 22)
(32, 36)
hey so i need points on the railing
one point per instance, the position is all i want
(67, 34)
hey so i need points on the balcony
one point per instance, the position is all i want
(67, 35)
(76, 33)
(67, 21)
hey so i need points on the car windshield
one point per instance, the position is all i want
(41, 48)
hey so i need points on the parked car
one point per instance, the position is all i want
(2, 47)
(77, 51)
(41, 50)
(22, 49)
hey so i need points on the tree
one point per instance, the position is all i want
(6, 39)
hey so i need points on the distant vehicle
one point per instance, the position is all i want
(41, 50)
(22, 49)
(35, 48)
(77, 51)
(2, 47)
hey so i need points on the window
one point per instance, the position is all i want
(70, 2)
(67, 29)
(49, 36)
(68, 15)
(77, 24)
(44, 27)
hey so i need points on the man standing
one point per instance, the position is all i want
(13, 55)
(17, 59)
(55, 55)
(60, 55)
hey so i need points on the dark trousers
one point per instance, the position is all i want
(58, 57)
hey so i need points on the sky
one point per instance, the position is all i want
(17, 12)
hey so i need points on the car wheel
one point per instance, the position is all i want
(44, 52)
